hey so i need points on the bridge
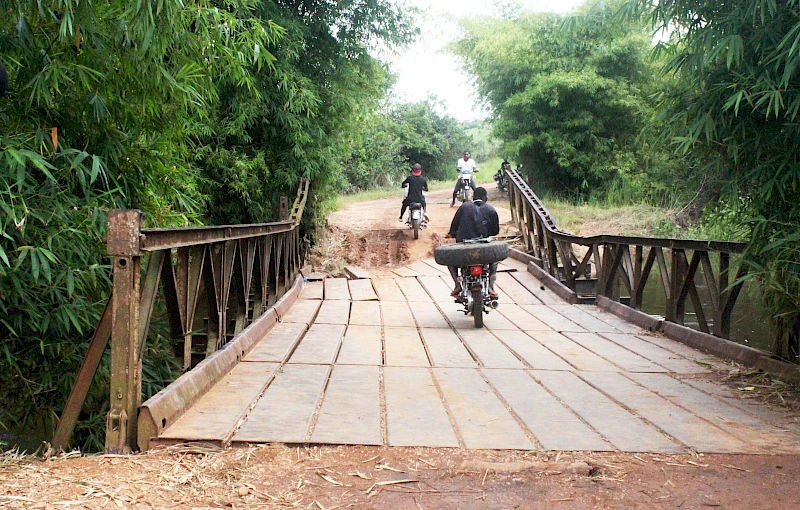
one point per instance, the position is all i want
(568, 362)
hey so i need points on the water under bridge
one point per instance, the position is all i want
(567, 362)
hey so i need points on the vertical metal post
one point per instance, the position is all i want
(283, 211)
(124, 228)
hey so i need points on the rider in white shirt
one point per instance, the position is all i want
(466, 166)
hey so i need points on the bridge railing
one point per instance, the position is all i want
(618, 267)
(213, 282)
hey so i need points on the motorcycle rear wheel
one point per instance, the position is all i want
(415, 225)
(477, 306)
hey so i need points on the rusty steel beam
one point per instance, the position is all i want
(77, 396)
(124, 227)
(153, 239)
(549, 224)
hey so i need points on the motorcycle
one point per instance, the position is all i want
(416, 218)
(501, 180)
(473, 258)
(465, 190)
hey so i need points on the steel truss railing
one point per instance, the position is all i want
(618, 267)
(214, 282)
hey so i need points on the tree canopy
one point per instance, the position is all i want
(171, 107)
(559, 91)
(735, 110)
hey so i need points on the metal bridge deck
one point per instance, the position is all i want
(392, 361)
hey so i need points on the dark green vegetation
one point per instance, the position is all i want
(192, 111)
(571, 100)
(707, 117)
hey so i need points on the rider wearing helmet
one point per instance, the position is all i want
(417, 184)
(466, 166)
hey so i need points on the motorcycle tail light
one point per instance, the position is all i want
(476, 270)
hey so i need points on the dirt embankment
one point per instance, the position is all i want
(369, 235)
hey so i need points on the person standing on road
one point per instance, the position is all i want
(417, 185)
(475, 220)
(466, 166)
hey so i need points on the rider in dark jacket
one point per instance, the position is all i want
(474, 220)
(416, 185)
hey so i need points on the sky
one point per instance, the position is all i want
(424, 68)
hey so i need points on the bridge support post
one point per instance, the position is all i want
(124, 231)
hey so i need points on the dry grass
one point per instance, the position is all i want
(590, 220)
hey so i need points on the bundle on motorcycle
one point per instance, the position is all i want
(473, 257)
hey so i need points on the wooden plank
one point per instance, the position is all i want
(574, 354)
(620, 325)
(480, 416)
(667, 359)
(522, 319)
(536, 288)
(361, 346)
(415, 414)
(302, 311)
(365, 313)
(405, 272)
(552, 318)
(357, 273)
(283, 414)
(278, 343)
(531, 351)
(729, 418)
(387, 290)
(454, 312)
(436, 287)
(623, 358)
(578, 316)
(311, 290)
(319, 345)
(674, 346)
(404, 348)
(423, 269)
(336, 288)
(333, 312)
(624, 430)
(675, 421)
(316, 277)
(428, 315)
(397, 314)
(553, 424)
(516, 291)
(217, 412)
(445, 348)
(514, 264)
(443, 271)
(413, 290)
(361, 290)
(489, 350)
(350, 412)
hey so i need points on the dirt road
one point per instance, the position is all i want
(368, 234)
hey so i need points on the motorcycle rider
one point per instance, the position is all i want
(500, 176)
(466, 165)
(475, 220)
(416, 185)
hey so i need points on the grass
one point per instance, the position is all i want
(592, 219)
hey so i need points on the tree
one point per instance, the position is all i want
(558, 88)
(303, 116)
(435, 141)
(735, 110)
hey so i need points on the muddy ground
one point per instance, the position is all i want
(325, 478)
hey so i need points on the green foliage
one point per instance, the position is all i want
(304, 116)
(734, 110)
(569, 97)
(189, 110)
(434, 141)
